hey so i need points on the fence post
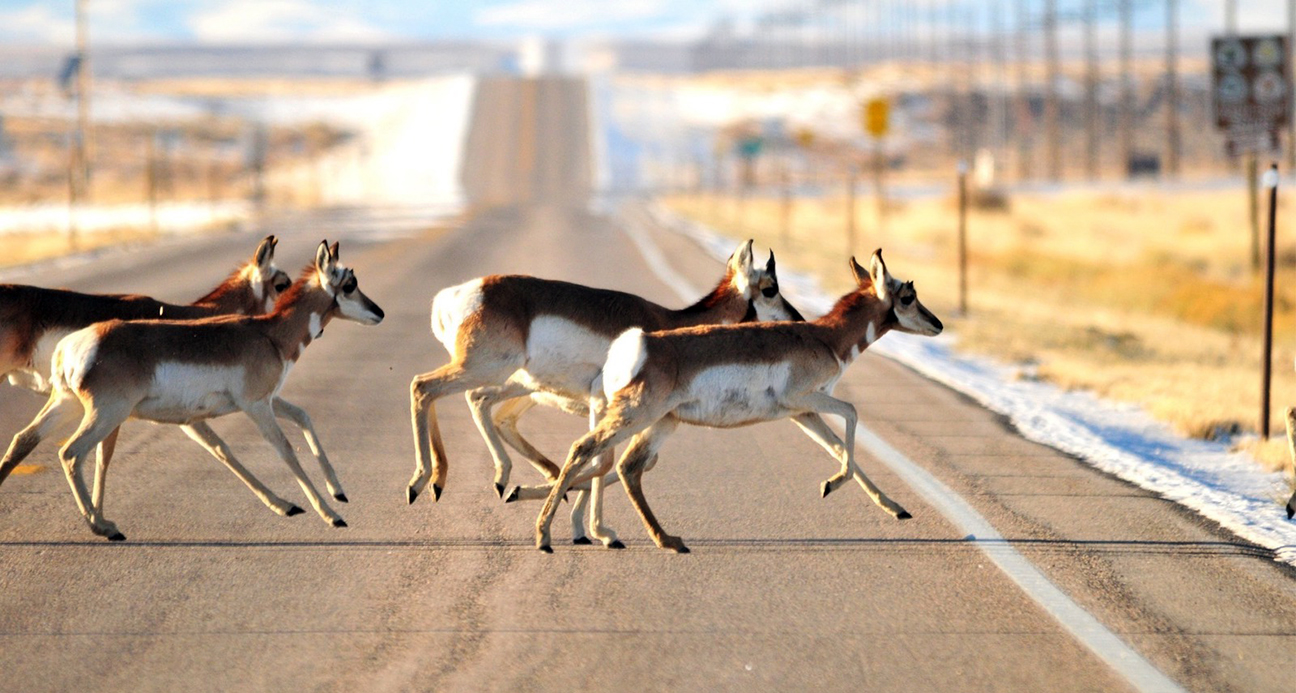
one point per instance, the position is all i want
(962, 236)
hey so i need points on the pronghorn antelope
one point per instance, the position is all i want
(519, 339)
(185, 372)
(728, 376)
(34, 319)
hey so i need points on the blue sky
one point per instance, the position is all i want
(231, 21)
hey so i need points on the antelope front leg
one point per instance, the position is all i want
(480, 402)
(203, 434)
(602, 465)
(814, 426)
(262, 414)
(581, 453)
(287, 410)
(506, 422)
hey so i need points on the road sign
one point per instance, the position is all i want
(750, 146)
(1251, 86)
(877, 116)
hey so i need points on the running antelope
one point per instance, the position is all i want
(185, 372)
(521, 339)
(728, 376)
(34, 319)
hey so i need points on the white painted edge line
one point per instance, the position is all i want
(1082, 625)
(1074, 619)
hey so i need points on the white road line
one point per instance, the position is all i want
(1080, 623)
(1127, 662)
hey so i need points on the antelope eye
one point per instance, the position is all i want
(770, 291)
(906, 300)
(282, 286)
(349, 285)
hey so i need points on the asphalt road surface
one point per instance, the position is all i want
(783, 590)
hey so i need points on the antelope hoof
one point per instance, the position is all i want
(582, 541)
(499, 490)
(116, 536)
(674, 544)
(616, 544)
(436, 493)
(513, 496)
(341, 497)
(825, 489)
(293, 510)
(904, 515)
(545, 548)
(1291, 509)
(339, 523)
(411, 494)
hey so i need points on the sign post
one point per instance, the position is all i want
(1270, 182)
(876, 115)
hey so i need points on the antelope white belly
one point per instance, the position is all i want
(182, 392)
(563, 357)
(735, 394)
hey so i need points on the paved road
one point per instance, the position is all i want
(783, 590)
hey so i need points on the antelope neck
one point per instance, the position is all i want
(296, 323)
(235, 295)
(856, 322)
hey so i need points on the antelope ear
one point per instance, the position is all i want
(322, 258)
(769, 264)
(264, 254)
(878, 271)
(333, 251)
(741, 259)
(862, 278)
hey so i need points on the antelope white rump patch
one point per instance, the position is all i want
(625, 358)
(451, 306)
(75, 354)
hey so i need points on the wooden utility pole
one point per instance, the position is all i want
(1126, 85)
(1023, 97)
(1291, 46)
(1091, 114)
(850, 211)
(1052, 109)
(79, 166)
(962, 236)
(1172, 88)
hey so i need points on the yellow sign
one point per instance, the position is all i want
(877, 116)
(805, 137)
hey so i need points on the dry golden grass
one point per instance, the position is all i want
(1146, 298)
(24, 248)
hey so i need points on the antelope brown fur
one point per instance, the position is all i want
(185, 372)
(735, 375)
(510, 337)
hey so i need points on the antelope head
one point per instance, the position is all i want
(900, 296)
(759, 286)
(349, 303)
